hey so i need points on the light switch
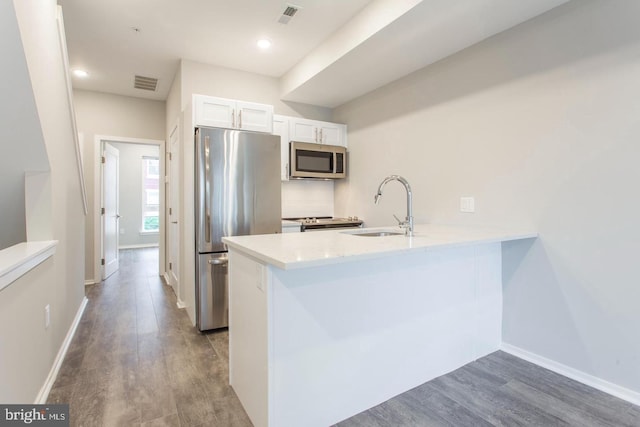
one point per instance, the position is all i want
(467, 204)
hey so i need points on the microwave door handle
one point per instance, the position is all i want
(292, 160)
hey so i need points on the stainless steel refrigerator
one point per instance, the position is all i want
(237, 193)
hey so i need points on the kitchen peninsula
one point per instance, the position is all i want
(325, 325)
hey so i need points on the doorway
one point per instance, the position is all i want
(130, 206)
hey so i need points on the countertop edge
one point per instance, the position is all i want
(255, 254)
(498, 237)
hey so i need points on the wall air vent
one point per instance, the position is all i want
(145, 83)
(288, 13)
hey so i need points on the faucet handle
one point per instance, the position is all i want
(406, 225)
(401, 223)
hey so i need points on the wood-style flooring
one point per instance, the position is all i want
(500, 390)
(137, 361)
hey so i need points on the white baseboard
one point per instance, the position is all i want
(582, 377)
(89, 282)
(144, 245)
(57, 363)
(179, 302)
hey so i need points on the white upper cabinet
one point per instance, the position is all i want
(256, 117)
(333, 133)
(281, 128)
(314, 131)
(214, 112)
(303, 130)
(229, 113)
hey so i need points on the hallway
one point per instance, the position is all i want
(137, 361)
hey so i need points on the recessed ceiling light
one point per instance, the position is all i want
(264, 44)
(80, 73)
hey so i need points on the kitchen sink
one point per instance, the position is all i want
(376, 233)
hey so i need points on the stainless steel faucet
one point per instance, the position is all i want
(407, 224)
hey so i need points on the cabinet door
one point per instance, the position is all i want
(214, 112)
(281, 128)
(255, 117)
(303, 130)
(332, 133)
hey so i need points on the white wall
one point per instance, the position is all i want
(541, 125)
(307, 198)
(28, 349)
(130, 202)
(111, 115)
(21, 136)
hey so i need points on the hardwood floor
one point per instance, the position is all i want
(137, 361)
(500, 390)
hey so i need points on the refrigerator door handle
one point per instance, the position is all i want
(218, 261)
(207, 189)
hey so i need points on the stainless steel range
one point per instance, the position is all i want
(328, 223)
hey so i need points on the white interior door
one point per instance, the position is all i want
(111, 216)
(173, 212)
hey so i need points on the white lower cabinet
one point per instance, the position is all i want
(291, 226)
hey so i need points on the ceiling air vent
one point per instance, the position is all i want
(288, 13)
(145, 83)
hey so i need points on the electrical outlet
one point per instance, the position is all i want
(122, 230)
(47, 316)
(467, 204)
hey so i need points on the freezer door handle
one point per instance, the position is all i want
(218, 261)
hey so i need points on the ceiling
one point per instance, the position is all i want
(331, 51)
(101, 37)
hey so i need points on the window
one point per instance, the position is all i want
(150, 194)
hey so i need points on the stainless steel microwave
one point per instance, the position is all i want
(318, 161)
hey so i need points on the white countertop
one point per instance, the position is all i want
(318, 248)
